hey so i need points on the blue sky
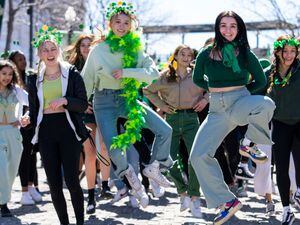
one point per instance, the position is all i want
(206, 11)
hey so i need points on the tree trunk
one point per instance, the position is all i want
(10, 24)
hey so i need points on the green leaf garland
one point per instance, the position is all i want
(283, 81)
(282, 43)
(46, 33)
(130, 44)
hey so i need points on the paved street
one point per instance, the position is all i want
(164, 211)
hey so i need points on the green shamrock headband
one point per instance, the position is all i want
(4, 55)
(117, 7)
(290, 42)
(46, 33)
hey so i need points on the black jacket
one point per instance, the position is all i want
(75, 95)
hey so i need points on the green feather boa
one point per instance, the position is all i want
(130, 44)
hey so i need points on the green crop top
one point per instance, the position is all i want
(52, 90)
(8, 106)
(212, 73)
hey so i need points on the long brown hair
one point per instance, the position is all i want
(276, 62)
(15, 79)
(74, 56)
(171, 71)
(240, 39)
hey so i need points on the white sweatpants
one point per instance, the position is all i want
(262, 175)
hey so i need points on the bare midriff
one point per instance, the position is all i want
(225, 89)
(50, 111)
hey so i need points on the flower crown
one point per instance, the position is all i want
(46, 33)
(117, 7)
(290, 42)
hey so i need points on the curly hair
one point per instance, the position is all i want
(276, 62)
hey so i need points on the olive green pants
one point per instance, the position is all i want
(185, 125)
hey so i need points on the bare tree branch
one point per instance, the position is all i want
(287, 14)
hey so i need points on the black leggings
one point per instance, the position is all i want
(59, 148)
(228, 156)
(283, 136)
(27, 167)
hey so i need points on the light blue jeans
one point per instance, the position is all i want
(226, 111)
(134, 160)
(108, 107)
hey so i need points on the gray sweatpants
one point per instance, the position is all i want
(226, 111)
(10, 156)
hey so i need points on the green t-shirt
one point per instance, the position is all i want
(212, 73)
(52, 90)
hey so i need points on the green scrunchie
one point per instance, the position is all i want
(229, 57)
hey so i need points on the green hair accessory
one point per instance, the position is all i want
(117, 7)
(5, 54)
(290, 42)
(46, 33)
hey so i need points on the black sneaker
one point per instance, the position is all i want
(288, 218)
(243, 173)
(91, 207)
(106, 193)
(5, 212)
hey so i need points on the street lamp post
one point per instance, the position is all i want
(30, 13)
(70, 16)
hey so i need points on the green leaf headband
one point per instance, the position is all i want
(4, 55)
(46, 33)
(290, 42)
(117, 7)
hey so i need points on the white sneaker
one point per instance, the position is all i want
(184, 203)
(152, 171)
(36, 196)
(142, 196)
(134, 202)
(120, 194)
(288, 217)
(132, 178)
(297, 198)
(157, 190)
(26, 199)
(195, 207)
